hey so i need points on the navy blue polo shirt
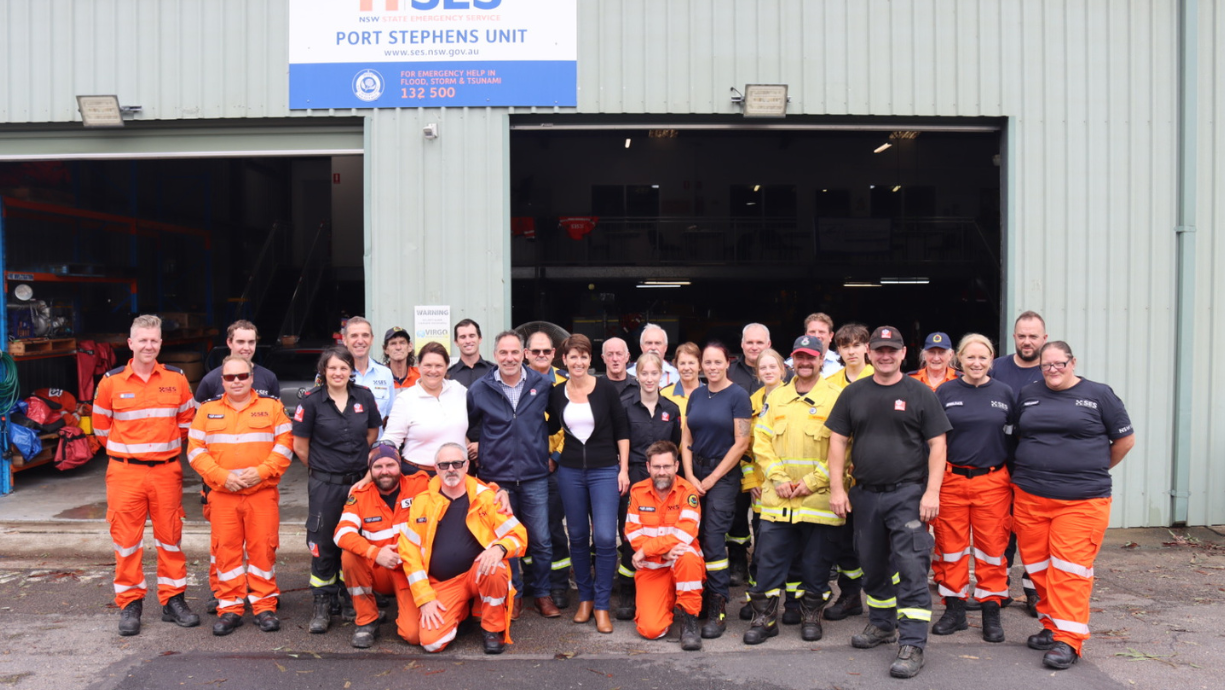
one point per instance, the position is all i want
(711, 419)
(981, 417)
(1064, 438)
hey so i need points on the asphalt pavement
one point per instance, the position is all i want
(1157, 614)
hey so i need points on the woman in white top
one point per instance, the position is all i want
(429, 413)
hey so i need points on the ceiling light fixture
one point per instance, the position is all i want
(882, 147)
(627, 143)
(860, 284)
(904, 281)
(756, 188)
(897, 188)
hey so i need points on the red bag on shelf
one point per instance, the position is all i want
(73, 450)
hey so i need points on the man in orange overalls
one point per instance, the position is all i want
(461, 513)
(142, 411)
(241, 445)
(661, 525)
(369, 530)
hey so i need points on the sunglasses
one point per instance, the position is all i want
(540, 353)
(235, 377)
(452, 465)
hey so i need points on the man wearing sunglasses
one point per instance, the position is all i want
(241, 338)
(540, 352)
(462, 513)
(240, 444)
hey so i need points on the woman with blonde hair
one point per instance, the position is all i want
(976, 494)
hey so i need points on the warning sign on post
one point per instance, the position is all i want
(432, 324)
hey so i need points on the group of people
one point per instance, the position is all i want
(460, 488)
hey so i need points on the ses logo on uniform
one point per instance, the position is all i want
(368, 85)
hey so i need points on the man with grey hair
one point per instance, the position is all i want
(358, 338)
(616, 355)
(754, 339)
(655, 339)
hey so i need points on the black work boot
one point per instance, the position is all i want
(267, 621)
(494, 644)
(716, 612)
(1060, 656)
(791, 609)
(872, 636)
(129, 618)
(765, 619)
(746, 611)
(363, 635)
(348, 614)
(210, 606)
(1031, 603)
(954, 617)
(561, 597)
(626, 604)
(321, 617)
(908, 662)
(1041, 641)
(176, 611)
(992, 630)
(691, 639)
(737, 565)
(849, 603)
(226, 624)
(810, 616)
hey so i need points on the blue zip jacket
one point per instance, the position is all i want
(514, 443)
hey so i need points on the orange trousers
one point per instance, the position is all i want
(1058, 542)
(455, 594)
(207, 509)
(363, 578)
(978, 506)
(134, 493)
(661, 589)
(247, 522)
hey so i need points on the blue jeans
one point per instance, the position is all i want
(530, 501)
(591, 500)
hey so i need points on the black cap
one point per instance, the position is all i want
(809, 344)
(395, 332)
(886, 335)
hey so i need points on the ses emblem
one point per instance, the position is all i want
(368, 85)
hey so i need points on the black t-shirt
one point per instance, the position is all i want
(391, 498)
(1064, 437)
(337, 438)
(712, 419)
(1005, 370)
(627, 388)
(647, 428)
(455, 546)
(890, 427)
(265, 384)
(981, 417)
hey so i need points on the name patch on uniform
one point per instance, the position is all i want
(1030, 403)
(647, 509)
(262, 413)
(899, 405)
(298, 414)
(357, 407)
(373, 519)
(216, 416)
(127, 395)
(958, 403)
(406, 503)
(421, 519)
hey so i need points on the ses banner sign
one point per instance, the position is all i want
(430, 53)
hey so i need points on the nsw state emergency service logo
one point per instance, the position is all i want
(368, 85)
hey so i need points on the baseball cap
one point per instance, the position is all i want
(810, 345)
(384, 450)
(937, 339)
(886, 335)
(395, 332)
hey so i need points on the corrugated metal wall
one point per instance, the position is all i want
(1207, 503)
(1089, 88)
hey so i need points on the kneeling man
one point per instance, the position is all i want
(477, 541)
(661, 525)
(374, 517)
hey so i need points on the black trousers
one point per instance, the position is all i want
(625, 570)
(325, 503)
(781, 546)
(888, 535)
(718, 506)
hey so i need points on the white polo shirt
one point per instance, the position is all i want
(421, 423)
